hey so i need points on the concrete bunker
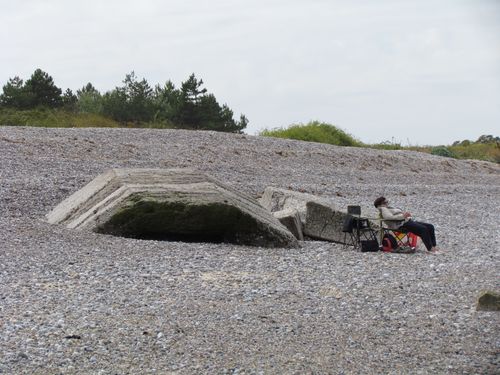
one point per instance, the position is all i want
(170, 204)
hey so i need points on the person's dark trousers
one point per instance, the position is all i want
(424, 230)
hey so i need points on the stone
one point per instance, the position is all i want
(276, 199)
(324, 222)
(170, 204)
(290, 218)
(488, 301)
(321, 219)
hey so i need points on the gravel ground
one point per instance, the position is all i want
(74, 302)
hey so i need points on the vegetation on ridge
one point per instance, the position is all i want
(39, 102)
(314, 131)
(486, 147)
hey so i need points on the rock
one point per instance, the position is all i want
(319, 217)
(170, 204)
(324, 222)
(290, 218)
(276, 199)
(488, 301)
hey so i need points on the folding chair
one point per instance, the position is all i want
(404, 238)
(358, 231)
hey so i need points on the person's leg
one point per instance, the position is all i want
(420, 230)
(432, 232)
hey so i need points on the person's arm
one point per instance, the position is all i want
(389, 215)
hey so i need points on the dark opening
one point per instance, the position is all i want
(174, 221)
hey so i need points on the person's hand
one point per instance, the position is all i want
(407, 215)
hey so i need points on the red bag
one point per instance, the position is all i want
(412, 239)
(389, 243)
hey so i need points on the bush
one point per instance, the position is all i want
(478, 151)
(442, 151)
(494, 155)
(314, 131)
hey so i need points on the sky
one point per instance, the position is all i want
(423, 72)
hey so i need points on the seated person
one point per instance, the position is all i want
(399, 220)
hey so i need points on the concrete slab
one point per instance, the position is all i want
(179, 204)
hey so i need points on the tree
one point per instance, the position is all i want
(139, 96)
(188, 112)
(215, 117)
(114, 105)
(166, 101)
(196, 109)
(42, 91)
(228, 124)
(132, 102)
(191, 90)
(89, 99)
(488, 139)
(69, 101)
(189, 106)
(14, 94)
(209, 112)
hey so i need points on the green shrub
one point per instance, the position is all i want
(314, 131)
(493, 155)
(442, 151)
(478, 151)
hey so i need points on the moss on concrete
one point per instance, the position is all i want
(209, 222)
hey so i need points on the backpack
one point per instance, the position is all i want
(389, 243)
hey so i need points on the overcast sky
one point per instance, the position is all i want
(419, 72)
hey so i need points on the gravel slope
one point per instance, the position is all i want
(81, 303)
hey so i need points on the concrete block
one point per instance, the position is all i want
(324, 222)
(178, 204)
(290, 218)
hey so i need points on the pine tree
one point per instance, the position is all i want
(42, 91)
(14, 94)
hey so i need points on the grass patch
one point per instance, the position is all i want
(386, 146)
(314, 131)
(478, 151)
(54, 118)
(488, 150)
(60, 118)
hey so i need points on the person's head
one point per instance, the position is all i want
(380, 201)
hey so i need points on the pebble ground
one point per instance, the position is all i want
(74, 302)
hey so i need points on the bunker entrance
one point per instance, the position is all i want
(175, 221)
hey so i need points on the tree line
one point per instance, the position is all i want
(135, 103)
